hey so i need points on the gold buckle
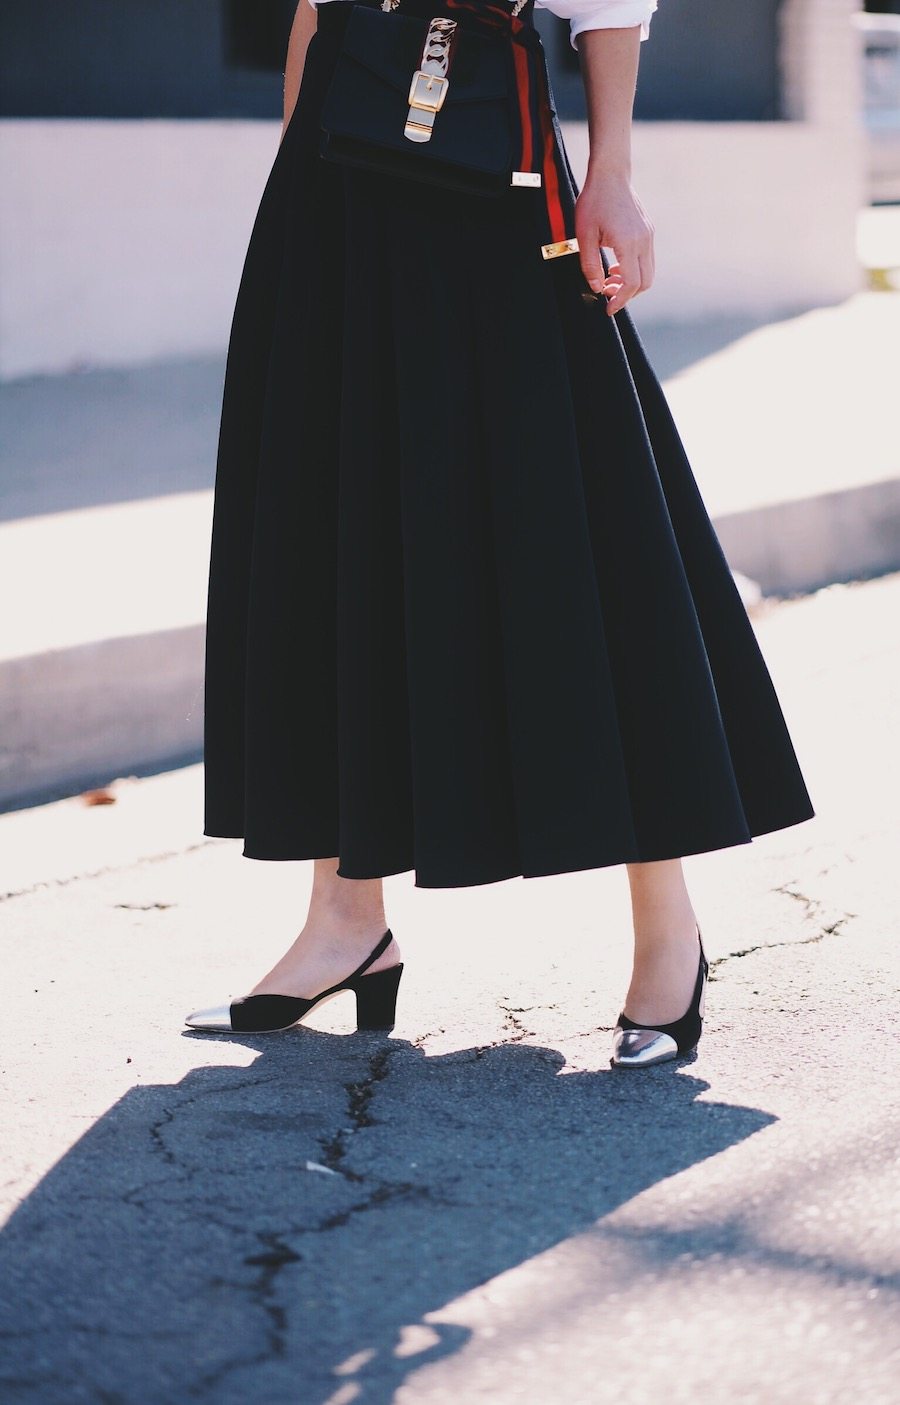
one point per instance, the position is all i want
(419, 131)
(420, 91)
(563, 246)
(427, 92)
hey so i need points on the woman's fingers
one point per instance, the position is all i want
(609, 214)
(648, 268)
(633, 274)
(622, 283)
(591, 263)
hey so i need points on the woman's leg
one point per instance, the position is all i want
(345, 921)
(666, 950)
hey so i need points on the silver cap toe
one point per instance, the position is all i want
(217, 1019)
(639, 1048)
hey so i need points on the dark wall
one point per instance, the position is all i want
(706, 59)
(142, 58)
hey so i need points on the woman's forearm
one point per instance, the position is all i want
(609, 65)
(302, 30)
(608, 213)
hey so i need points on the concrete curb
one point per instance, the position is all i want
(793, 548)
(75, 718)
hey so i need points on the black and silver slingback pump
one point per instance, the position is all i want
(637, 1046)
(376, 1003)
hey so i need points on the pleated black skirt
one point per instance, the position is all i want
(468, 615)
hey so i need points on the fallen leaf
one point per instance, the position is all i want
(98, 797)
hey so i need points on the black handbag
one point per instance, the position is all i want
(430, 100)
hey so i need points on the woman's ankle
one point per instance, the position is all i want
(666, 936)
(328, 949)
(345, 904)
(662, 912)
(340, 917)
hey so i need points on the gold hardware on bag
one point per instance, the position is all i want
(429, 85)
(532, 178)
(426, 96)
(563, 246)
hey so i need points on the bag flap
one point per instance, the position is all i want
(390, 46)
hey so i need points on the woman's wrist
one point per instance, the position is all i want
(609, 151)
(603, 168)
(607, 173)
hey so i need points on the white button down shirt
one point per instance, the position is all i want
(600, 14)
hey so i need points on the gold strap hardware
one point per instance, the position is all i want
(429, 85)
(563, 246)
(426, 97)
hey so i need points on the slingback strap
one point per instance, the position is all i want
(370, 960)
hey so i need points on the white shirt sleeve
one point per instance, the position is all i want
(601, 14)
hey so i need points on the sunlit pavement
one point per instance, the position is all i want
(476, 1209)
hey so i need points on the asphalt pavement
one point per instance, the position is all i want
(475, 1209)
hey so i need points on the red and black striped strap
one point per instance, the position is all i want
(541, 149)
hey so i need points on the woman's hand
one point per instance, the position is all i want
(608, 213)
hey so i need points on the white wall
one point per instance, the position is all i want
(750, 217)
(122, 242)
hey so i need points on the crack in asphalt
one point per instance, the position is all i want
(158, 1140)
(359, 1100)
(516, 1029)
(276, 1256)
(513, 1024)
(156, 1128)
(383, 1194)
(107, 871)
(812, 906)
(144, 907)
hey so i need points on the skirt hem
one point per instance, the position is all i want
(551, 869)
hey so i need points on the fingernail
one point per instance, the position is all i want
(595, 284)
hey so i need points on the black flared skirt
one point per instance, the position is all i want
(468, 615)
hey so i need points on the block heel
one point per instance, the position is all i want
(376, 998)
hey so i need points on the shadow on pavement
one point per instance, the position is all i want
(192, 1245)
(99, 437)
(103, 437)
(677, 345)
